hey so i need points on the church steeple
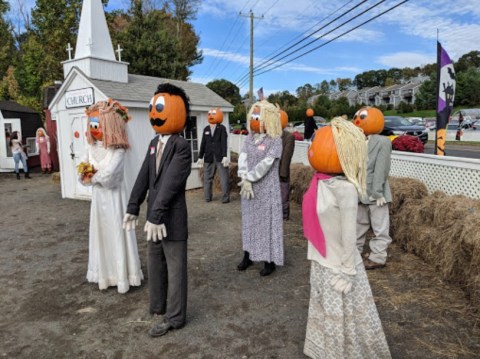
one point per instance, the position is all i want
(93, 36)
(94, 51)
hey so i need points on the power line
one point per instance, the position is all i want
(335, 38)
(270, 61)
(213, 64)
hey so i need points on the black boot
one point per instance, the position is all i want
(246, 262)
(27, 175)
(18, 175)
(268, 269)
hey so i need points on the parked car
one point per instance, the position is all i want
(301, 128)
(396, 125)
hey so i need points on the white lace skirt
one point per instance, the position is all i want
(343, 326)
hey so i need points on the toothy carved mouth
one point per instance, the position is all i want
(157, 122)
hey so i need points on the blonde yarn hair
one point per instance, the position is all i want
(352, 152)
(112, 117)
(269, 118)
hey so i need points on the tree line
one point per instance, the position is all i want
(157, 42)
(467, 70)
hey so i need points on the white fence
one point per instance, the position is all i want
(452, 175)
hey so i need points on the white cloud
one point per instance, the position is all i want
(405, 59)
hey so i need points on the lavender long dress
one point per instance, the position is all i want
(262, 223)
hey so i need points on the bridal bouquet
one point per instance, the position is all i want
(85, 170)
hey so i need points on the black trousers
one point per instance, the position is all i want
(167, 280)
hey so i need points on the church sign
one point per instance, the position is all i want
(79, 98)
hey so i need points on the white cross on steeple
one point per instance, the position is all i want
(119, 51)
(69, 49)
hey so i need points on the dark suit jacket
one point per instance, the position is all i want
(288, 144)
(214, 148)
(166, 190)
(310, 127)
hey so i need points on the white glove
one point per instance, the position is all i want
(380, 201)
(246, 191)
(225, 162)
(200, 162)
(155, 232)
(341, 283)
(129, 222)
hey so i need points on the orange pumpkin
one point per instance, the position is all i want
(215, 116)
(168, 113)
(95, 127)
(283, 118)
(322, 154)
(310, 112)
(370, 120)
(255, 120)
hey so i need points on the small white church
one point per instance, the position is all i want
(95, 74)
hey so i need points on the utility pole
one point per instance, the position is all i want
(252, 17)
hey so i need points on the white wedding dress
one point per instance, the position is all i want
(113, 255)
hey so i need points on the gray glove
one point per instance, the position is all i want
(130, 221)
(341, 283)
(155, 232)
(380, 201)
(246, 190)
(200, 162)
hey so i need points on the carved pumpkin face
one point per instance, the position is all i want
(215, 116)
(310, 112)
(283, 118)
(167, 113)
(255, 124)
(322, 154)
(370, 120)
(95, 128)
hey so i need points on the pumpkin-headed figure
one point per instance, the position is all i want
(106, 123)
(264, 117)
(310, 112)
(322, 154)
(169, 109)
(370, 120)
(283, 118)
(94, 125)
(215, 116)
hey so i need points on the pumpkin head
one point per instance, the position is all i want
(255, 120)
(283, 118)
(310, 112)
(322, 154)
(169, 109)
(370, 120)
(215, 116)
(95, 127)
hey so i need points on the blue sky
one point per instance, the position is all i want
(406, 36)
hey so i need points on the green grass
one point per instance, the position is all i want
(422, 113)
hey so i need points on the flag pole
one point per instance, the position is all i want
(437, 93)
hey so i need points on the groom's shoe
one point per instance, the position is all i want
(160, 328)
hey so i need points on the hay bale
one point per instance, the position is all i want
(232, 178)
(405, 188)
(300, 177)
(56, 177)
(443, 231)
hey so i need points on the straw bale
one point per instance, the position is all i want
(405, 188)
(300, 177)
(232, 178)
(443, 231)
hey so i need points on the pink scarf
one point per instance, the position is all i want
(311, 226)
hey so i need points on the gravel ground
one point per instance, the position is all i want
(49, 310)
